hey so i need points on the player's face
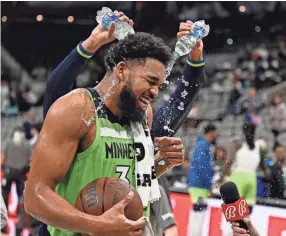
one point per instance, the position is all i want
(146, 81)
(141, 87)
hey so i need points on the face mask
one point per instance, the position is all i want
(18, 137)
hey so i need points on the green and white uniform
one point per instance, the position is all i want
(243, 172)
(111, 154)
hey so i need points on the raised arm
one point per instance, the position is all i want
(62, 79)
(189, 84)
(64, 76)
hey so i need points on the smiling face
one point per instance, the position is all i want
(141, 87)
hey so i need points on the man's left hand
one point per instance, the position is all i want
(172, 149)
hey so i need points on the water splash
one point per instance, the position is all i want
(108, 94)
(184, 94)
(169, 68)
(166, 127)
(85, 118)
(88, 120)
(181, 106)
(186, 83)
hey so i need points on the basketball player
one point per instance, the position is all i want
(63, 78)
(71, 151)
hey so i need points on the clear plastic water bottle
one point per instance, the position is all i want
(106, 16)
(186, 43)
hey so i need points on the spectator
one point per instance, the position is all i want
(22, 95)
(219, 156)
(235, 94)
(200, 176)
(250, 106)
(8, 101)
(277, 115)
(15, 163)
(275, 177)
(29, 123)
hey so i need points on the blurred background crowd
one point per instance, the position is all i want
(245, 76)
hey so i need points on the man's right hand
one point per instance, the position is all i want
(237, 231)
(114, 222)
(101, 36)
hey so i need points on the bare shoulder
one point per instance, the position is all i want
(78, 99)
(64, 128)
(72, 110)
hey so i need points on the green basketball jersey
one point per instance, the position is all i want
(111, 154)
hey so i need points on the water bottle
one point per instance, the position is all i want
(106, 16)
(186, 43)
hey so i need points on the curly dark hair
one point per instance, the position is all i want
(138, 47)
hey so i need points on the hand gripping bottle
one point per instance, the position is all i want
(185, 44)
(105, 17)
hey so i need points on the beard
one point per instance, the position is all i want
(127, 105)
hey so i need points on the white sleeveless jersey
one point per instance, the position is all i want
(246, 160)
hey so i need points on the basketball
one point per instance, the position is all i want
(102, 194)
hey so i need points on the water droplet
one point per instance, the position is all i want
(168, 129)
(181, 106)
(186, 83)
(184, 94)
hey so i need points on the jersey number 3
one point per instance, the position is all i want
(123, 171)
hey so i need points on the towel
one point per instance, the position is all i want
(146, 181)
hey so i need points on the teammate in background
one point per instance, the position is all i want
(200, 177)
(242, 232)
(242, 160)
(71, 149)
(64, 76)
